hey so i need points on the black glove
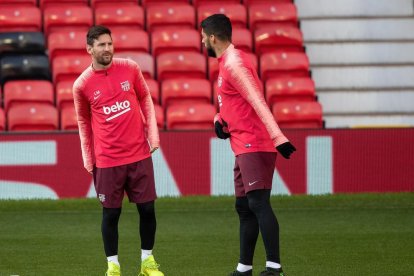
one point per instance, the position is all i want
(220, 132)
(286, 149)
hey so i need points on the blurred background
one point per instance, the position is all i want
(337, 75)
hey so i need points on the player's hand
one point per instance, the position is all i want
(286, 149)
(89, 169)
(153, 149)
(221, 129)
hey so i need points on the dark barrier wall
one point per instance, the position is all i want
(190, 163)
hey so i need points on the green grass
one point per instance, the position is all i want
(365, 234)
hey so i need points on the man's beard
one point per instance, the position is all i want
(103, 61)
(210, 51)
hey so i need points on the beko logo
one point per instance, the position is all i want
(118, 106)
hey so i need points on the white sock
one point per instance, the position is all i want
(145, 254)
(273, 265)
(113, 259)
(244, 268)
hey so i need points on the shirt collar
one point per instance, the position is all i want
(103, 71)
(229, 49)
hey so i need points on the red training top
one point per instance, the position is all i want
(115, 115)
(242, 105)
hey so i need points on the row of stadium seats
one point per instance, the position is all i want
(174, 14)
(265, 39)
(170, 91)
(93, 3)
(34, 116)
(176, 64)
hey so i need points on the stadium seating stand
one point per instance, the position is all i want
(175, 91)
(181, 65)
(23, 91)
(298, 114)
(189, 116)
(32, 117)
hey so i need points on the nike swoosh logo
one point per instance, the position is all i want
(252, 183)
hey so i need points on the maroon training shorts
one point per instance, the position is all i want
(136, 179)
(253, 171)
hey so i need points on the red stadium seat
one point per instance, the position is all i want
(235, 11)
(283, 37)
(62, 42)
(119, 14)
(185, 90)
(69, 67)
(242, 39)
(197, 3)
(45, 3)
(64, 93)
(144, 60)
(154, 90)
(174, 15)
(20, 18)
(249, 2)
(298, 114)
(190, 116)
(129, 39)
(262, 14)
(32, 117)
(181, 65)
(290, 89)
(278, 64)
(175, 40)
(2, 120)
(213, 68)
(66, 17)
(18, 2)
(147, 3)
(68, 118)
(23, 91)
(96, 3)
(159, 115)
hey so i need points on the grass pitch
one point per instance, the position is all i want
(368, 234)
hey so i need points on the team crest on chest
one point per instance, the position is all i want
(219, 81)
(125, 86)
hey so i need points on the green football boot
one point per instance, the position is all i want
(149, 267)
(113, 269)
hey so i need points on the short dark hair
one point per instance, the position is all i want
(95, 32)
(218, 25)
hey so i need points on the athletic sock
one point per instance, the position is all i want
(273, 265)
(145, 254)
(113, 259)
(244, 268)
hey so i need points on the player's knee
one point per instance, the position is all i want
(146, 210)
(111, 215)
(258, 203)
(242, 205)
